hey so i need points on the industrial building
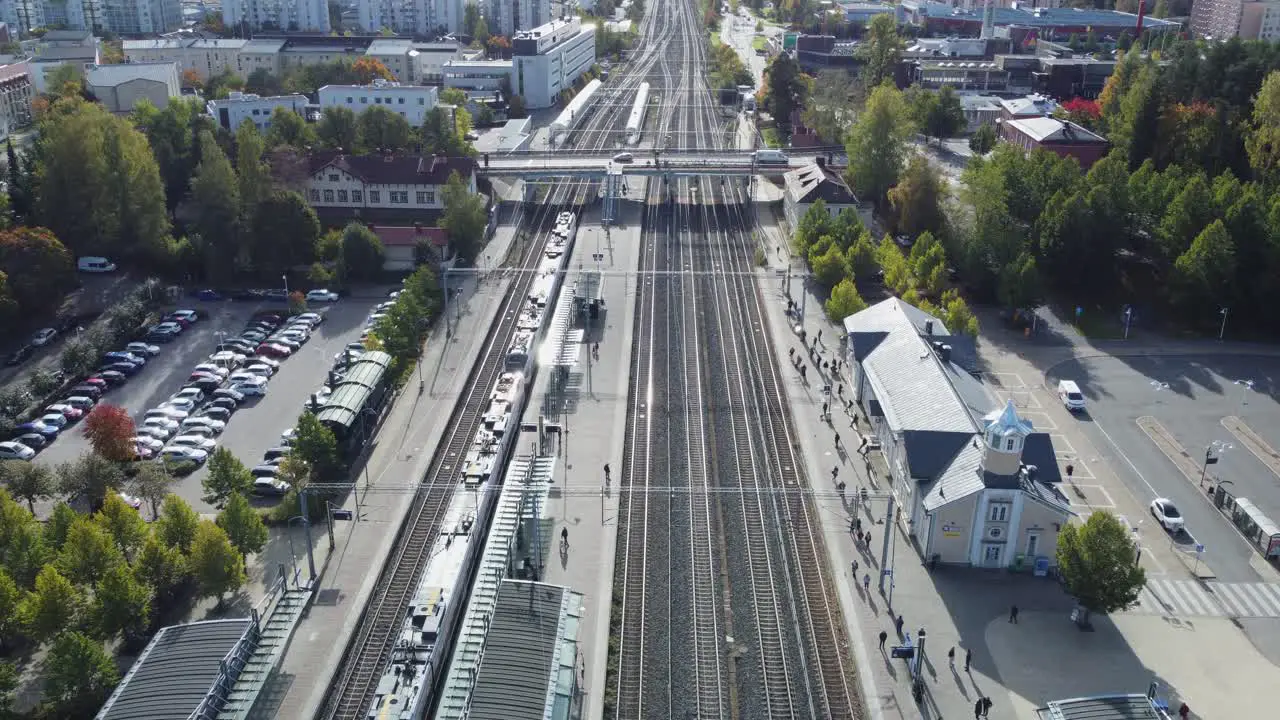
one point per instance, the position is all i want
(545, 61)
(412, 102)
(121, 87)
(280, 15)
(1061, 137)
(966, 18)
(410, 17)
(1246, 19)
(232, 111)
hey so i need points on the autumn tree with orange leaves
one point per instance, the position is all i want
(368, 69)
(110, 431)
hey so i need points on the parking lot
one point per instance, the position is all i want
(257, 425)
(1156, 417)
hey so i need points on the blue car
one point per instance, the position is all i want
(48, 431)
(120, 356)
(208, 295)
(127, 368)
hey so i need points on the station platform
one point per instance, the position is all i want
(349, 568)
(591, 410)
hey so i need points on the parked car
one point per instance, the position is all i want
(161, 421)
(55, 419)
(143, 349)
(204, 421)
(194, 441)
(155, 432)
(257, 386)
(12, 450)
(168, 411)
(179, 453)
(185, 404)
(123, 356)
(132, 501)
(269, 362)
(43, 337)
(221, 403)
(69, 412)
(157, 335)
(231, 358)
(239, 345)
(171, 326)
(322, 295)
(209, 295)
(113, 378)
(228, 393)
(148, 442)
(267, 471)
(260, 370)
(88, 390)
(125, 368)
(83, 403)
(1166, 513)
(189, 316)
(270, 486)
(35, 441)
(254, 335)
(279, 339)
(288, 436)
(276, 453)
(214, 412)
(49, 431)
(274, 349)
(313, 319)
(193, 394)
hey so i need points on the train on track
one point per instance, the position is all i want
(420, 657)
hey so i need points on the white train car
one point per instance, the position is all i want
(635, 121)
(573, 113)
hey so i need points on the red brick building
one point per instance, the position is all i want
(1057, 136)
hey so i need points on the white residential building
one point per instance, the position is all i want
(16, 93)
(545, 61)
(412, 102)
(281, 15)
(232, 111)
(477, 74)
(431, 59)
(76, 48)
(506, 17)
(411, 17)
(141, 17)
(374, 187)
(399, 56)
(121, 87)
(126, 17)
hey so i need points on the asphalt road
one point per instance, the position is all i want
(257, 425)
(1189, 396)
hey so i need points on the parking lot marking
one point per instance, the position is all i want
(1008, 380)
(1061, 444)
(1040, 420)
(1095, 497)
(1021, 398)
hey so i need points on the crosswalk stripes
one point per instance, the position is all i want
(1209, 599)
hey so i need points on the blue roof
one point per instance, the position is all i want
(1046, 17)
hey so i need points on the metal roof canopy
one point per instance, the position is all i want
(1101, 707)
(563, 343)
(183, 671)
(526, 476)
(350, 395)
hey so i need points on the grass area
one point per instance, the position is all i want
(771, 137)
(715, 38)
(759, 42)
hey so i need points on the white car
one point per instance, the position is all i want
(226, 358)
(10, 450)
(132, 501)
(43, 336)
(256, 386)
(269, 486)
(260, 370)
(373, 319)
(383, 307)
(179, 453)
(183, 403)
(199, 442)
(168, 413)
(212, 369)
(242, 375)
(208, 423)
(195, 395)
(269, 362)
(55, 419)
(297, 334)
(322, 295)
(1166, 513)
(155, 432)
(148, 442)
(322, 395)
(288, 436)
(141, 348)
(312, 319)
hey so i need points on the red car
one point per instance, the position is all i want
(69, 412)
(185, 322)
(273, 350)
(97, 382)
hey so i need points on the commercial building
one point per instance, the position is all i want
(977, 484)
(76, 48)
(125, 17)
(478, 74)
(548, 59)
(406, 246)
(942, 19)
(400, 57)
(1061, 137)
(431, 59)
(376, 188)
(412, 102)
(979, 110)
(121, 87)
(1224, 19)
(506, 17)
(231, 112)
(280, 15)
(411, 17)
(1020, 74)
(16, 93)
(860, 13)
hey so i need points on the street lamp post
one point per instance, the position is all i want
(285, 278)
(1222, 332)
(1210, 458)
(1128, 318)
(1245, 387)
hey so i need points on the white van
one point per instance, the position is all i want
(95, 265)
(1070, 395)
(771, 156)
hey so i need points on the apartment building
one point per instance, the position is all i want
(1247, 19)
(232, 111)
(125, 17)
(412, 102)
(141, 17)
(16, 93)
(431, 59)
(399, 56)
(411, 17)
(506, 17)
(22, 15)
(279, 15)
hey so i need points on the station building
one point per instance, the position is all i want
(976, 483)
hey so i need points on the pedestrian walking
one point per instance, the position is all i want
(824, 411)
(606, 472)
(1070, 469)
(986, 706)
(837, 440)
(859, 535)
(834, 472)
(815, 341)
(840, 389)
(1013, 614)
(866, 582)
(564, 537)
(840, 486)
(862, 447)
(977, 709)
(883, 636)
(1183, 711)
(897, 625)
(791, 353)
(951, 657)
(824, 366)
(858, 524)
(868, 538)
(854, 566)
(968, 656)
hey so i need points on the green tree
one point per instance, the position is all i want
(8, 689)
(1020, 284)
(956, 314)
(1189, 213)
(401, 331)
(162, 568)
(288, 128)
(59, 523)
(90, 477)
(831, 107)
(1262, 139)
(262, 82)
(380, 129)
(946, 116)
(423, 284)
(897, 271)
(227, 476)
(79, 675)
(881, 50)
(860, 258)
(362, 253)
(27, 481)
(293, 228)
(470, 19)
(216, 564)
(242, 525)
(338, 129)
(465, 217)
(88, 553)
(177, 524)
(124, 524)
(917, 198)
(983, 140)
(816, 223)
(38, 266)
(24, 551)
(844, 301)
(928, 263)
(828, 267)
(152, 483)
(121, 605)
(877, 144)
(10, 621)
(1098, 562)
(786, 88)
(215, 195)
(172, 134)
(53, 606)
(1208, 267)
(317, 446)
(252, 172)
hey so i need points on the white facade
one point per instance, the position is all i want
(400, 184)
(416, 17)
(431, 59)
(505, 17)
(399, 56)
(231, 112)
(16, 94)
(412, 102)
(477, 74)
(548, 59)
(127, 17)
(121, 87)
(284, 15)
